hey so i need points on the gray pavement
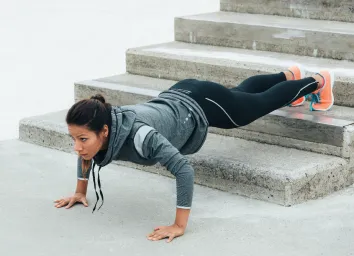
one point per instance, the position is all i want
(32, 177)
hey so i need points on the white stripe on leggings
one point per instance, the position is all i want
(284, 105)
(223, 110)
(300, 91)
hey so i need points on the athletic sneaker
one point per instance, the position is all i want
(298, 73)
(323, 98)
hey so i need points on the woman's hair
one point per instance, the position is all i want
(92, 113)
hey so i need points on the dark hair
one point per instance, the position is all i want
(93, 113)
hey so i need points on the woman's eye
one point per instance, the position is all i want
(83, 139)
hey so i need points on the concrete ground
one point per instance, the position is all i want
(32, 177)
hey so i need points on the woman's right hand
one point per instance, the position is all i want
(70, 201)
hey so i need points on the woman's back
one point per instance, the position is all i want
(172, 118)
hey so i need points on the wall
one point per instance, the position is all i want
(45, 47)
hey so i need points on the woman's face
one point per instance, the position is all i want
(87, 143)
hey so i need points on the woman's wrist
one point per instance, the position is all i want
(181, 226)
(81, 186)
(182, 216)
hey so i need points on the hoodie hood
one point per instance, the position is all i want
(122, 123)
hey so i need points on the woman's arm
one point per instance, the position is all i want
(175, 230)
(80, 192)
(81, 186)
(182, 216)
(155, 146)
(82, 177)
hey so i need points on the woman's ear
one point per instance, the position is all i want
(105, 130)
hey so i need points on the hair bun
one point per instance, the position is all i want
(99, 97)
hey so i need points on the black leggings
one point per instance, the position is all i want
(253, 98)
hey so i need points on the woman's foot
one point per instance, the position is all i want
(296, 73)
(323, 98)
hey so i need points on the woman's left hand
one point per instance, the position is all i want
(166, 231)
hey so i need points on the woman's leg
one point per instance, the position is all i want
(253, 106)
(226, 108)
(261, 83)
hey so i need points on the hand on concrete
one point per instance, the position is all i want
(169, 232)
(70, 201)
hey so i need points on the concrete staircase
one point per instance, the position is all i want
(287, 157)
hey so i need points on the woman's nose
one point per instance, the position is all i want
(77, 147)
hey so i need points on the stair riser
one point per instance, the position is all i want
(115, 97)
(206, 175)
(227, 75)
(309, 9)
(330, 181)
(270, 129)
(275, 39)
(45, 137)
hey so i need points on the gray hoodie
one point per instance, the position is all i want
(162, 130)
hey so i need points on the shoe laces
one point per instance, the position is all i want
(316, 98)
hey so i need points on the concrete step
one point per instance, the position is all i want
(230, 66)
(314, 9)
(266, 172)
(328, 133)
(316, 38)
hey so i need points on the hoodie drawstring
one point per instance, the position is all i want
(99, 186)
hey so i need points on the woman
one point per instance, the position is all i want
(176, 123)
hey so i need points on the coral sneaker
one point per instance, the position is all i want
(298, 73)
(323, 98)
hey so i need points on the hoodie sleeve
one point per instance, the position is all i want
(153, 146)
(79, 170)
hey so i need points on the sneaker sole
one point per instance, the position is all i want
(299, 104)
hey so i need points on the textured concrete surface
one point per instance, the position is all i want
(230, 66)
(248, 168)
(136, 202)
(269, 33)
(298, 124)
(342, 10)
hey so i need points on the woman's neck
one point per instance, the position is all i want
(105, 144)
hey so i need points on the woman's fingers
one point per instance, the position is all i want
(60, 203)
(158, 235)
(59, 200)
(162, 232)
(161, 236)
(170, 237)
(71, 203)
(84, 202)
(151, 235)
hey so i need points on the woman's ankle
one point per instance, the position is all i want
(320, 81)
(289, 75)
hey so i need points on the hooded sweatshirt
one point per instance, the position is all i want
(162, 130)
